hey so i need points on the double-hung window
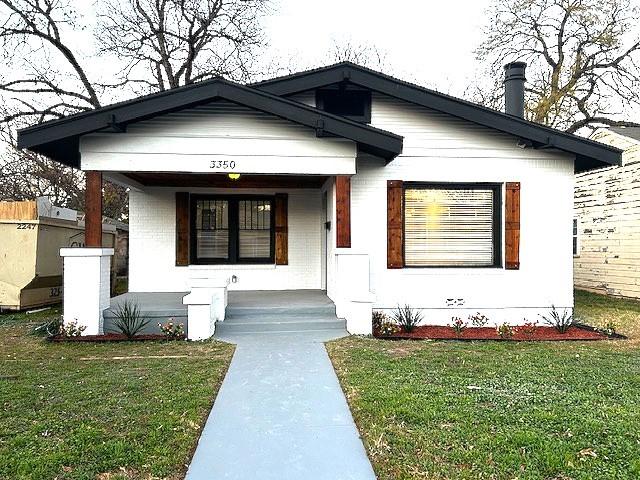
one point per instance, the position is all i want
(452, 225)
(576, 238)
(232, 229)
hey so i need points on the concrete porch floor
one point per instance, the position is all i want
(171, 302)
(247, 306)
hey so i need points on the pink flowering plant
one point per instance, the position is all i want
(478, 320)
(172, 330)
(458, 325)
(528, 328)
(388, 328)
(504, 331)
(72, 329)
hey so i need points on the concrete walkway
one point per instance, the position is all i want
(280, 414)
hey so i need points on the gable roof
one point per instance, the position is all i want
(631, 132)
(59, 139)
(589, 154)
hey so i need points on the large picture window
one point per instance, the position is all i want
(448, 225)
(233, 229)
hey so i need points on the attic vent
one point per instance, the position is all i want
(353, 104)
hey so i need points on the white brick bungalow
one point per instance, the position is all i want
(340, 179)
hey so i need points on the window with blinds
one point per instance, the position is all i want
(212, 229)
(452, 226)
(232, 230)
(254, 228)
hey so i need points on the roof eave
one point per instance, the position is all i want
(44, 137)
(601, 155)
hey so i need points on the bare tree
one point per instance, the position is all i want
(162, 43)
(366, 55)
(582, 59)
(44, 79)
(39, 61)
(168, 43)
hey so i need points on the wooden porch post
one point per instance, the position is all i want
(343, 211)
(93, 210)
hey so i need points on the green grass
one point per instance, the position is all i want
(598, 310)
(493, 410)
(105, 411)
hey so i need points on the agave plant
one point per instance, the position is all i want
(407, 317)
(129, 320)
(560, 322)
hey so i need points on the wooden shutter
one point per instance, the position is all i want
(395, 220)
(282, 229)
(512, 226)
(343, 212)
(182, 228)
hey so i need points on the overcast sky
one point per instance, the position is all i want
(428, 42)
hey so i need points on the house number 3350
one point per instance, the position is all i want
(222, 164)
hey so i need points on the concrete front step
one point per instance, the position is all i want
(277, 318)
(305, 311)
(288, 325)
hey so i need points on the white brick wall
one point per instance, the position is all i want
(439, 148)
(152, 245)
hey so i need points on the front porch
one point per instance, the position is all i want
(253, 311)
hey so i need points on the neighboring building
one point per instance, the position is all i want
(31, 235)
(341, 179)
(606, 229)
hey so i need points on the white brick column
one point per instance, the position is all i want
(354, 299)
(206, 303)
(87, 286)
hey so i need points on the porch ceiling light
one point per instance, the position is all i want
(234, 176)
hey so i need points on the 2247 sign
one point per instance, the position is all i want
(222, 165)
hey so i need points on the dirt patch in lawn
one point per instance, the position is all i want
(114, 337)
(438, 332)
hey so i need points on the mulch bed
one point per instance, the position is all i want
(113, 337)
(438, 332)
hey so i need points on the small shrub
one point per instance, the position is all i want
(478, 320)
(407, 318)
(377, 319)
(129, 320)
(504, 331)
(72, 329)
(50, 328)
(560, 322)
(528, 329)
(458, 325)
(388, 328)
(172, 330)
(609, 328)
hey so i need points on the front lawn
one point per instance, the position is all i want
(493, 410)
(598, 310)
(105, 411)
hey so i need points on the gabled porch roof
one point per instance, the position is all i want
(59, 139)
